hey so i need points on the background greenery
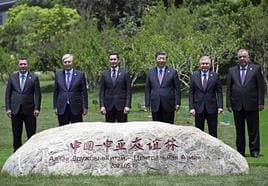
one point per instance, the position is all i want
(45, 30)
(47, 119)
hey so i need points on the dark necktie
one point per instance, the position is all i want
(243, 75)
(113, 75)
(22, 82)
(160, 75)
(205, 81)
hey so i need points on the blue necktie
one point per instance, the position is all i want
(68, 74)
(243, 75)
(160, 75)
(22, 82)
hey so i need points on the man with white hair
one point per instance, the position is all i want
(205, 96)
(70, 100)
(245, 98)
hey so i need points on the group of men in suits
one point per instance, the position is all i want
(245, 96)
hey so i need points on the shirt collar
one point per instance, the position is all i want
(245, 67)
(25, 74)
(69, 71)
(163, 69)
(116, 69)
(202, 73)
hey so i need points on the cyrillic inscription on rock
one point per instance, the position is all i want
(125, 148)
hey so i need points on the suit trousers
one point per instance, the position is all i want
(163, 116)
(115, 116)
(69, 117)
(17, 127)
(252, 119)
(212, 121)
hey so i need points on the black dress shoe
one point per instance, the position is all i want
(255, 154)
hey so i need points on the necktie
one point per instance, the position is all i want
(68, 74)
(114, 75)
(22, 82)
(243, 75)
(160, 76)
(205, 82)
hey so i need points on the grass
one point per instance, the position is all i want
(47, 119)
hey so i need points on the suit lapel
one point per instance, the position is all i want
(210, 78)
(166, 74)
(237, 75)
(73, 77)
(26, 81)
(17, 80)
(248, 74)
(199, 80)
(118, 74)
(156, 76)
(109, 76)
(63, 80)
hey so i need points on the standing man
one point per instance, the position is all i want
(245, 98)
(70, 99)
(162, 90)
(23, 100)
(115, 91)
(205, 96)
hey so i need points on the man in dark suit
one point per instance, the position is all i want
(245, 98)
(70, 99)
(162, 90)
(115, 91)
(205, 96)
(23, 100)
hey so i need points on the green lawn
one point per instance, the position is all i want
(258, 166)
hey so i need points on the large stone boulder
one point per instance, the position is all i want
(125, 148)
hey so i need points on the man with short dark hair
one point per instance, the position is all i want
(115, 91)
(23, 100)
(162, 90)
(245, 98)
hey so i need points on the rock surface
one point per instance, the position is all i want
(124, 148)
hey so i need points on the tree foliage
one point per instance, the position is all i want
(30, 28)
(136, 29)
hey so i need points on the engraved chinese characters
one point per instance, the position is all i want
(125, 148)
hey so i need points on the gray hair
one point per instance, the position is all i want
(241, 51)
(205, 58)
(68, 56)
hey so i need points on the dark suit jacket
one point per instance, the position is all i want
(168, 93)
(118, 94)
(211, 98)
(28, 100)
(249, 95)
(77, 93)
